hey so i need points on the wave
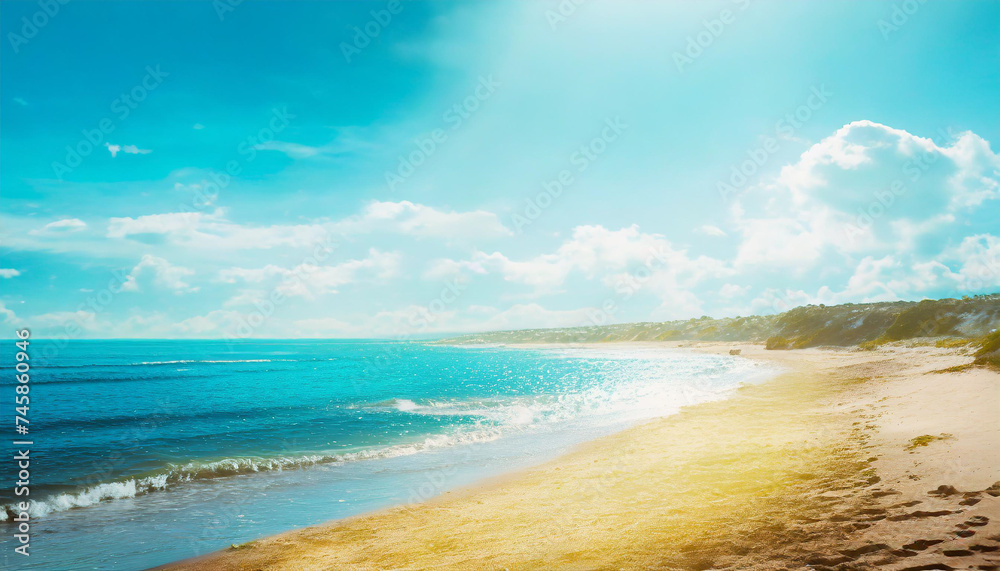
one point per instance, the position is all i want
(626, 393)
(177, 474)
(502, 412)
(402, 405)
(629, 394)
(497, 416)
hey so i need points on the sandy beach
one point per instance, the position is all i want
(846, 460)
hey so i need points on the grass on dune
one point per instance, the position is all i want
(866, 325)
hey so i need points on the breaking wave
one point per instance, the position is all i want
(176, 474)
(626, 394)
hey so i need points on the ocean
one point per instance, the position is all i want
(145, 452)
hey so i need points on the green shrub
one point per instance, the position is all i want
(953, 342)
(927, 439)
(989, 344)
(874, 343)
(989, 350)
(777, 342)
(929, 318)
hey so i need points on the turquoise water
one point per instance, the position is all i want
(151, 451)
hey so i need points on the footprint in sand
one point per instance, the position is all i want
(957, 553)
(965, 533)
(977, 521)
(944, 491)
(920, 514)
(864, 550)
(985, 548)
(922, 544)
(904, 553)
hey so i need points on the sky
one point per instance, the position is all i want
(401, 169)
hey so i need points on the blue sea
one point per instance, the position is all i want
(147, 452)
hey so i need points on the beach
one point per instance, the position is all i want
(347, 428)
(846, 459)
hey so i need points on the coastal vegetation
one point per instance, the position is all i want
(989, 350)
(971, 321)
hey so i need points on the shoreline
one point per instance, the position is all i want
(809, 466)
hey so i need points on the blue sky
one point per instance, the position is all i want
(270, 169)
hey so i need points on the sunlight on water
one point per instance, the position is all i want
(241, 440)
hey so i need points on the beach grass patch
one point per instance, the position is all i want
(777, 342)
(989, 350)
(953, 342)
(955, 369)
(925, 440)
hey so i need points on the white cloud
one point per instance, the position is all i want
(444, 268)
(828, 228)
(774, 300)
(678, 303)
(534, 316)
(978, 258)
(868, 190)
(412, 219)
(128, 149)
(66, 225)
(217, 323)
(971, 267)
(309, 280)
(777, 241)
(544, 273)
(6, 315)
(9, 273)
(837, 150)
(624, 259)
(253, 275)
(213, 231)
(164, 275)
(294, 150)
(348, 140)
(868, 283)
(730, 291)
(246, 297)
(709, 230)
(84, 319)
(183, 223)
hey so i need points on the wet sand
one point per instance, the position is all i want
(847, 460)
